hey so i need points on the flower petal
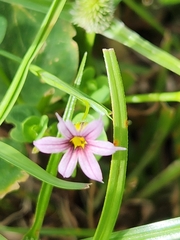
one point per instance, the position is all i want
(68, 163)
(66, 128)
(51, 144)
(93, 129)
(89, 165)
(102, 148)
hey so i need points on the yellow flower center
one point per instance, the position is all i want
(78, 142)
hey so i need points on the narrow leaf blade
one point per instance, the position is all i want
(16, 158)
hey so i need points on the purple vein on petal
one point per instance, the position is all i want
(65, 128)
(71, 128)
(51, 144)
(93, 129)
(89, 165)
(102, 148)
(68, 163)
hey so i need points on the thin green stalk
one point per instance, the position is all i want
(90, 37)
(20, 76)
(167, 229)
(51, 232)
(122, 34)
(117, 175)
(72, 100)
(46, 189)
(43, 200)
(89, 41)
(154, 97)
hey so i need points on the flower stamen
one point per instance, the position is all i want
(78, 142)
(80, 126)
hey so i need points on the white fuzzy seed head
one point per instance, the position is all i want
(93, 15)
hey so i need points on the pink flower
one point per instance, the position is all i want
(80, 146)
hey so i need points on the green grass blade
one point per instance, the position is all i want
(20, 76)
(52, 232)
(2, 238)
(117, 175)
(163, 127)
(119, 32)
(63, 86)
(154, 97)
(163, 179)
(16, 158)
(169, 2)
(166, 230)
(69, 110)
(36, 5)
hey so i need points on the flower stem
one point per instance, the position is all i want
(117, 175)
(154, 97)
(43, 200)
(46, 189)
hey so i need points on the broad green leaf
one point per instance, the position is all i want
(59, 54)
(24, 26)
(10, 177)
(119, 32)
(11, 155)
(20, 77)
(37, 5)
(40, 6)
(3, 26)
(20, 113)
